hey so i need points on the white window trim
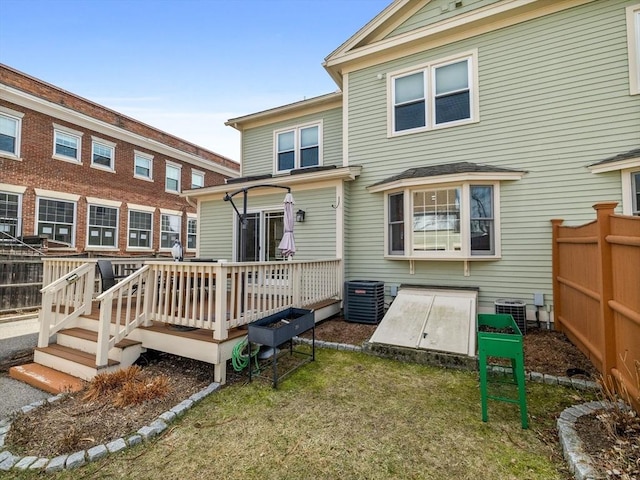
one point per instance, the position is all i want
(172, 213)
(17, 116)
(73, 133)
(192, 216)
(60, 198)
(465, 251)
(117, 230)
(627, 193)
(108, 144)
(197, 173)
(146, 156)
(148, 210)
(633, 48)
(429, 74)
(296, 145)
(19, 195)
(179, 167)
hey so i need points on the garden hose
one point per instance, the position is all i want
(240, 360)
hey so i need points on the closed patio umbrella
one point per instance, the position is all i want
(287, 245)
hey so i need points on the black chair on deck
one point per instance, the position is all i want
(109, 279)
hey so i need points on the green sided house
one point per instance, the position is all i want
(458, 131)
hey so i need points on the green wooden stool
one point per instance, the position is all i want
(499, 336)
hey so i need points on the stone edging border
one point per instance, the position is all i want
(572, 447)
(10, 461)
(578, 462)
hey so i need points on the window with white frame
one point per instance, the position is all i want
(197, 179)
(449, 221)
(298, 148)
(56, 220)
(192, 233)
(10, 128)
(67, 144)
(143, 166)
(103, 154)
(170, 226)
(10, 205)
(635, 193)
(172, 179)
(140, 233)
(433, 96)
(102, 227)
(633, 47)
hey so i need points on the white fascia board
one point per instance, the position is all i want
(467, 25)
(440, 179)
(342, 173)
(614, 166)
(285, 112)
(58, 111)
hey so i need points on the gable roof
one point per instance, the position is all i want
(374, 44)
(446, 171)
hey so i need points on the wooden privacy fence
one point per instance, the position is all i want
(596, 291)
(20, 283)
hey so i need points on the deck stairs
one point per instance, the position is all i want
(70, 359)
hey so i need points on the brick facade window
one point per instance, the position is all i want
(10, 129)
(172, 178)
(10, 204)
(140, 229)
(170, 227)
(102, 227)
(143, 166)
(103, 154)
(56, 220)
(67, 144)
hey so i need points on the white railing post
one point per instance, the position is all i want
(102, 353)
(297, 274)
(88, 290)
(45, 319)
(220, 316)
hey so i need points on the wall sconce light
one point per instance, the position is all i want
(300, 216)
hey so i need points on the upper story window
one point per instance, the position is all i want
(67, 144)
(10, 128)
(298, 148)
(56, 220)
(197, 179)
(103, 154)
(172, 179)
(102, 227)
(433, 96)
(143, 166)
(10, 215)
(633, 48)
(140, 233)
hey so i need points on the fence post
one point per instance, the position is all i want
(555, 272)
(604, 210)
(220, 316)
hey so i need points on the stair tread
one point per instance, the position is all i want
(77, 356)
(46, 378)
(85, 334)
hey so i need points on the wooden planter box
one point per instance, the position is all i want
(281, 327)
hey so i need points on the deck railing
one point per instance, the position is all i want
(66, 299)
(207, 295)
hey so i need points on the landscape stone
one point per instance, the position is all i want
(25, 462)
(97, 452)
(76, 459)
(116, 445)
(38, 464)
(56, 464)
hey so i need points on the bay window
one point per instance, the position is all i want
(443, 222)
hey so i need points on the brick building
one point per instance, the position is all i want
(92, 180)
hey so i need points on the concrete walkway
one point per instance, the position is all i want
(16, 336)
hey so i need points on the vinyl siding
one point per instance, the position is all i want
(315, 238)
(433, 13)
(258, 143)
(554, 98)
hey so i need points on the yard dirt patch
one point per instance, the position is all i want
(72, 424)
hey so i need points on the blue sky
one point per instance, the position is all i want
(184, 66)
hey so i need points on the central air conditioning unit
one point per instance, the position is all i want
(363, 301)
(516, 308)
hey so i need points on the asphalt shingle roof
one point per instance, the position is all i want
(635, 153)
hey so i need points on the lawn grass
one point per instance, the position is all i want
(351, 416)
